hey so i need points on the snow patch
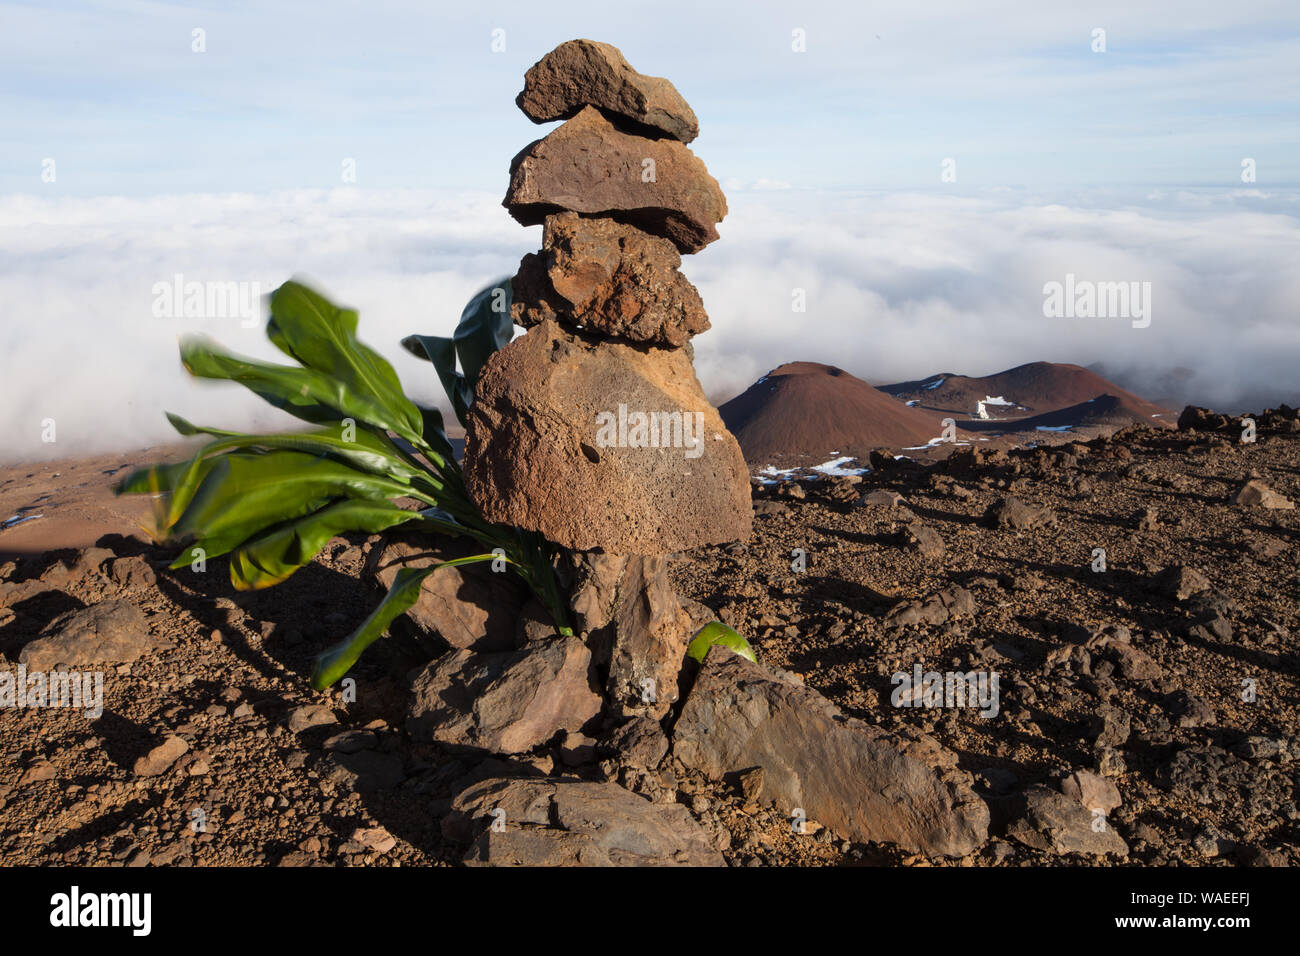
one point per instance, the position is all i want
(771, 475)
(931, 443)
(16, 520)
(834, 468)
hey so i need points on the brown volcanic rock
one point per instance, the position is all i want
(550, 821)
(609, 278)
(534, 455)
(1255, 493)
(634, 619)
(470, 606)
(588, 166)
(1054, 823)
(504, 703)
(804, 408)
(862, 782)
(112, 631)
(586, 73)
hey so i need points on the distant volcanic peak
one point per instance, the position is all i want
(810, 409)
(1034, 388)
(806, 368)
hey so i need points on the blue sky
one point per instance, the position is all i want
(415, 94)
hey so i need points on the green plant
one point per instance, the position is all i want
(715, 632)
(272, 502)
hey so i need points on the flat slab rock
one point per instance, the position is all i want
(112, 632)
(590, 167)
(507, 702)
(862, 782)
(587, 73)
(559, 822)
(589, 483)
(160, 757)
(1256, 494)
(609, 278)
(1056, 823)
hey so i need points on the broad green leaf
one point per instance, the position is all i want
(403, 594)
(274, 555)
(240, 495)
(321, 336)
(715, 632)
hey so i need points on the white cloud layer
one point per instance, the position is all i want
(897, 286)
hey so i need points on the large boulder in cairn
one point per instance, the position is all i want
(600, 445)
(590, 167)
(608, 278)
(636, 625)
(586, 73)
(558, 822)
(862, 782)
(470, 607)
(504, 703)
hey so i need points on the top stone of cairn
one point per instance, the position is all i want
(586, 73)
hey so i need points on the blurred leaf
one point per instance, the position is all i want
(435, 436)
(485, 326)
(238, 495)
(151, 479)
(171, 485)
(715, 632)
(302, 392)
(442, 353)
(357, 446)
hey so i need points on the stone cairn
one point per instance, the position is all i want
(592, 427)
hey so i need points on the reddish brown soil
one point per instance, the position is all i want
(237, 667)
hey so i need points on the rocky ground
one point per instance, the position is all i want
(1159, 695)
(1136, 673)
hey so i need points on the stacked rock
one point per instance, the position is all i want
(592, 427)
